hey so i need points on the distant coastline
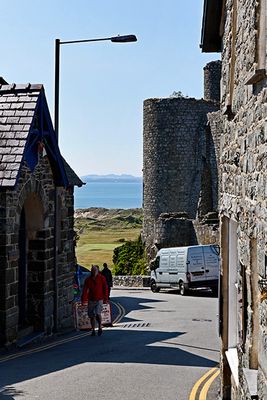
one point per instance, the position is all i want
(109, 191)
(123, 178)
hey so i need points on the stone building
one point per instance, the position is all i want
(36, 238)
(180, 167)
(237, 29)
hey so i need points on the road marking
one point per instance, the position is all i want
(200, 381)
(204, 390)
(122, 313)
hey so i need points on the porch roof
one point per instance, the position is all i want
(24, 123)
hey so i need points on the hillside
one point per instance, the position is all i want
(105, 218)
(101, 230)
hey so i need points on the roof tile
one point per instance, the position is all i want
(12, 120)
(17, 106)
(4, 128)
(8, 182)
(20, 135)
(4, 106)
(13, 143)
(21, 113)
(25, 120)
(18, 150)
(17, 127)
(8, 158)
(29, 106)
(8, 112)
(12, 99)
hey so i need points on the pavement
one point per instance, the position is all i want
(214, 390)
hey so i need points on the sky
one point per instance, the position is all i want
(103, 84)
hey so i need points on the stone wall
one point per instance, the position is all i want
(175, 155)
(243, 179)
(35, 194)
(131, 281)
(180, 168)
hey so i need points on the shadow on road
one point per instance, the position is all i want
(191, 293)
(135, 304)
(116, 345)
(7, 393)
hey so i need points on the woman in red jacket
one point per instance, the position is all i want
(95, 291)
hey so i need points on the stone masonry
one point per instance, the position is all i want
(33, 297)
(241, 27)
(180, 165)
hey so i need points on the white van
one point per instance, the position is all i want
(185, 267)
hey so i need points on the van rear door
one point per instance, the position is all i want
(196, 264)
(173, 270)
(211, 262)
(163, 270)
(177, 266)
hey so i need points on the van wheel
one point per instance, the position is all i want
(183, 290)
(154, 287)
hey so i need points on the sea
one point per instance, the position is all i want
(109, 195)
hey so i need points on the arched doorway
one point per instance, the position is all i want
(31, 266)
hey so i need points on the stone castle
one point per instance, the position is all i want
(180, 167)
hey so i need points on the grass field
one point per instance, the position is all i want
(96, 244)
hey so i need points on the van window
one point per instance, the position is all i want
(156, 262)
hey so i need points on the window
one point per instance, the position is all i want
(258, 73)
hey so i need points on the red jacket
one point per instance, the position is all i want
(95, 289)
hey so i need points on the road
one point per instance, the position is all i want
(162, 345)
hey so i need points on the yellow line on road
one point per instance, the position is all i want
(122, 313)
(41, 348)
(204, 390)
(200, 381)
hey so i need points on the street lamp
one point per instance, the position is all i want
(58, 43)
(115, 39)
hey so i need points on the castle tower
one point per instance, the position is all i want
(176, 158)
(212, 79)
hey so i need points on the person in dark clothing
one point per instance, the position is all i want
(108, 275)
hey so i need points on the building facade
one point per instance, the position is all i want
(237, 29)
(180, 167)
(37, 254)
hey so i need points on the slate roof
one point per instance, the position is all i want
(18, 104)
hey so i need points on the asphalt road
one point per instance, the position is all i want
(160, 348)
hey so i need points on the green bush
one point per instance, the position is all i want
(130, 258)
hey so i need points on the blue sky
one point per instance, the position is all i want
(103, 85)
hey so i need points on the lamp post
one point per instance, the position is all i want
(58, 43)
